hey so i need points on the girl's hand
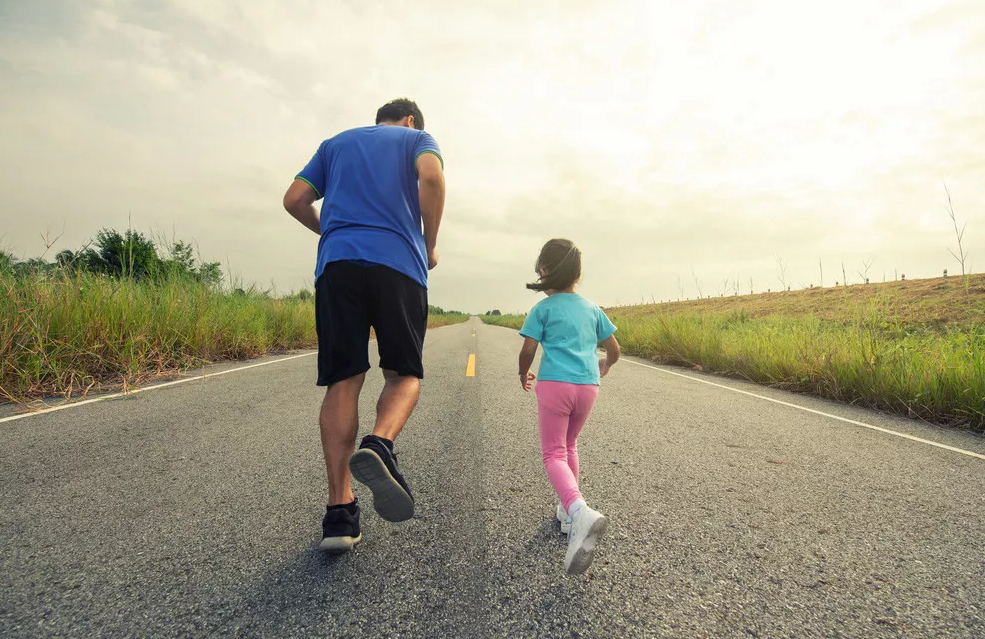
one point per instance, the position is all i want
(603, 367)
(525, 381)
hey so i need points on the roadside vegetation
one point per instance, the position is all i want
(915, 348)
(125, 310)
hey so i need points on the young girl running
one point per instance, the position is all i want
(570, 328)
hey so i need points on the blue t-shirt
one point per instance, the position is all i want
(371, 212)
(569, 327)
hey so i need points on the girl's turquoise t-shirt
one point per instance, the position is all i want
(569, 327)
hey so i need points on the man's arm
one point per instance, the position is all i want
(298, 202)
(432, 197)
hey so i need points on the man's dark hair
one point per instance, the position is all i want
(396, 110)
(560, 260)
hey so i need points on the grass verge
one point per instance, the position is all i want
(69, 334)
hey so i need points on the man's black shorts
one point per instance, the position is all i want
(349, 299)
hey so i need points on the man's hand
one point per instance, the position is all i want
(603, 368)
(526, 380)
(432, 258)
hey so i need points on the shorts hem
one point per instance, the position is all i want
(328, 380)
(403, 373)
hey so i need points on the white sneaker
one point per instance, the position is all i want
(585, 533)
(563, 518)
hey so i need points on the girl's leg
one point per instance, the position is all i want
(554, 404)
(584, 401)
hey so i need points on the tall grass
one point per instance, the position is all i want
(509, 321)
(73, 332)
(66, 334)
(933, 374)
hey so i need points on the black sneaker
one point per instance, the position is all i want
(375, 465)
(340, 528)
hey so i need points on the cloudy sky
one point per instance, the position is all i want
(679, 146)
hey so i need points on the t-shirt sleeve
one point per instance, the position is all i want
(427, 144)
(315, 171)
(533, 326)
(604, 328)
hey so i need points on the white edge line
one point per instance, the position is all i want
(816, 412)
(135, 391)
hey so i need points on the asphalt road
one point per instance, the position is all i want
(195, 510)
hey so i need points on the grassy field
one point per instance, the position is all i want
(915, 348)
(66, 335)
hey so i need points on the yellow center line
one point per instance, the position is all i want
(470, 367)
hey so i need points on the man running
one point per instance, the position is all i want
(384, 191)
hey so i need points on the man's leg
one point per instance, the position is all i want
(399, 316)
(396, 403)
(342, 324)
(339, 421)
(375, 463)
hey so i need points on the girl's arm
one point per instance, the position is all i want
(612, 352)
(527, 352)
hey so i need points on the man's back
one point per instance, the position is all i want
(371, 212)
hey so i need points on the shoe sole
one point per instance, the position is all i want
(584, 556)
(390, 500)
(334, 545)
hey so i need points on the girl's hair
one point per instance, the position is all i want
(560, 261)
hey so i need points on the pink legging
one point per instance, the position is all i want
(562, 410)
